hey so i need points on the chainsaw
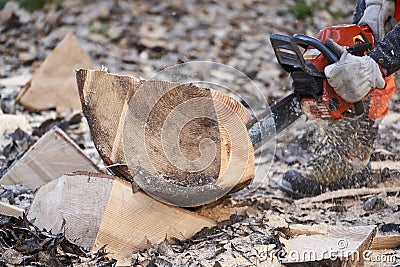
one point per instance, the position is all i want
(305, 58)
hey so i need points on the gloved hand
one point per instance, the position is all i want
(352, 77)
(379, 16)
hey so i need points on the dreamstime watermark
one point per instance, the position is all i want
(341, 250)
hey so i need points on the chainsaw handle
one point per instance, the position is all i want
(304, 41)
(359, 108)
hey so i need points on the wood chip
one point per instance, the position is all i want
(9, 210)
(52, 156)
(15, 81)
(53, 83)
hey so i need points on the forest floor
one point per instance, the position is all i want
(141, 38)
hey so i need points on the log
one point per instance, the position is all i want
(9, 210)
(53, 155)
(340, 246)
(53, 84)
(132, 120)
(100, 210)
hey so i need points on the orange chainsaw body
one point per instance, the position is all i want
(331, 105)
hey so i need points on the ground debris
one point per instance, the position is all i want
(16, 195)
(390, 228)
(22, 243)
(375, 202)
(18, 143)
(142, 38)
(240, 241)
(64, 123)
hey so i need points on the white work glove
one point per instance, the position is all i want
(379, 16)
(352, 77)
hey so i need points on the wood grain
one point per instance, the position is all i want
(105, 99)
(237, 152)
(104, 102)
(381, 242)
(131, 220)
(53, 155)
(9, 210)
(79, 200)
(166, 123)
(100, 210)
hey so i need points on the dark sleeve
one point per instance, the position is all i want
(360, 7)
(387, 51)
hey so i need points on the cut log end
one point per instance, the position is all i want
(190, 135)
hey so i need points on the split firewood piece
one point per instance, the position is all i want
(9, 210)
(379, 242)
(340, 246)
(104, 102)
(53, 155)
(53, 83)
(117, 107)
(98, 210)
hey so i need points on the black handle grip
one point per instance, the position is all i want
(310, 41)
(359, 108)
(329, 55)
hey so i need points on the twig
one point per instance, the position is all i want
(344, 193)
(9, 210)
(390, 164)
